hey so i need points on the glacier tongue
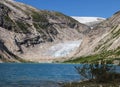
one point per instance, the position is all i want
(63, 49)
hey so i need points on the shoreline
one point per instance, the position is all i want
(91, 84)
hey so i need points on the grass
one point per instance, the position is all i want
(23, 27)
(41, 17)
(84, 59)
(109, 56)
(37, 17)
(40, 21)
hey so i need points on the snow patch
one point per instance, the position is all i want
(85, 20)
(63, 49)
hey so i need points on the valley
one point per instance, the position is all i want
(28, 34)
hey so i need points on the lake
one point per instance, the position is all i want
(36, 75)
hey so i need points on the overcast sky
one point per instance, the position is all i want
(99, 8)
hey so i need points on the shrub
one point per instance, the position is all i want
(100, 73)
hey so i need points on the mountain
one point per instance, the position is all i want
(102, 42)
(90, 21)
(29, 34)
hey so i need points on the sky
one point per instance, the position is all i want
(97, 8)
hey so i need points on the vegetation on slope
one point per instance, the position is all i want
(102, 51)
(110, 56)
(23, 27)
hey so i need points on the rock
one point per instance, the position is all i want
(104, 37)
(28, 33)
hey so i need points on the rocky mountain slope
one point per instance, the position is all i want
(102, 42)
(29, 34)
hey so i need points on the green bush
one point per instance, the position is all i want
(100, 73)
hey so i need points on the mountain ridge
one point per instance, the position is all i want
(101, 43)
(28, 32)
(31, 35)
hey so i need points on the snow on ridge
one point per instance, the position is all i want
(11, 0)
(85, 20)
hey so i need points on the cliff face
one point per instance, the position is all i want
(104, 38)
(29, 34)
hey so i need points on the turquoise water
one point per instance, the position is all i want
(36, 75)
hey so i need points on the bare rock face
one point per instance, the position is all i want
(29, 34)
(102, 38)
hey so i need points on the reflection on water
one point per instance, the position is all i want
(26, 83)
(36, 75)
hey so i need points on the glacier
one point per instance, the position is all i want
(63, 49)
(86, 20)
